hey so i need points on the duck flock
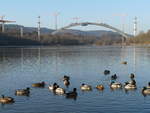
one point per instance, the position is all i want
(56, 89)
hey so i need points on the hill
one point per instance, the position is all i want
(67, 37)
(6, 40)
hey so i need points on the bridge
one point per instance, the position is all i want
(92, 23)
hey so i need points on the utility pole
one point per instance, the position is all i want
(39, 28)
(3, 24)
(56, 19)
(135, 27)
(21, 32)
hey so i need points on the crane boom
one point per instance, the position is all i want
(6, 21)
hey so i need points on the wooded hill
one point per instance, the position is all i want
(67, 37)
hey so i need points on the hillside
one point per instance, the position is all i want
(96, 33)
(6, 40)
(67, 37)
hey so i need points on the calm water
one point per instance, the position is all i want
(20, 67)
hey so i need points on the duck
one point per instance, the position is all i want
(132, 76)
(85, 87)
(133, 82)
(148, 85)
(53, 87)
(20, 92)
(66, 83)
(100, 87)
(115, 85)
(72, 94)
(146, 91)
(6, 100)
(129, 86)
(124, 62)
(41, 84)
(60, 91)
(66, 77)
(114, 77)
(106, 72)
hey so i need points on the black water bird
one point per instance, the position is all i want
(73, 94)
(114, 77)
(106, 72)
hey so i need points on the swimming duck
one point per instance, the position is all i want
(23, 91)
(146, 91)
(124, 62)
(148, 85)
(106, 72)
(114, 77)
(41, 84)
(115, 85)
(6, 100)
(66, 77)
(72, 94)
(100, 87)
(66, 82)
(132, 76)
(53, 87)
(60, 91)
(85, 87)
(129, 86)
(133, 82)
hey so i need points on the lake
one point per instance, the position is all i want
(22, 66)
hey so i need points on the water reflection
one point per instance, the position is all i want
(74, 97)
(60, 55)
(129, 90)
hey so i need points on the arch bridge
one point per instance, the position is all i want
(91, 23)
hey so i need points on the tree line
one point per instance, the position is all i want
(13, 37)
(142, 38)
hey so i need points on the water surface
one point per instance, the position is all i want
(20, 67)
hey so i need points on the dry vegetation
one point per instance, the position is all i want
(142, 38)
(13, 37)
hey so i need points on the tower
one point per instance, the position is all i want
(21, 32)
(56, 14)
(39, 28)
(135, 27)
(3, 24)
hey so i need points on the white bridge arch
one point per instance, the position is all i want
(91, 23)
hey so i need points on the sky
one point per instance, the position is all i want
(112, 12)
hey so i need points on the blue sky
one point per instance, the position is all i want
(25, 12)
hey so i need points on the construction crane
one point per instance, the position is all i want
(56, 14)
(76, 19)
(122, 17)
(3, 23)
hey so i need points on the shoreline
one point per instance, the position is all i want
(94, 45)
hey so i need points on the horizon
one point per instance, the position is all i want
(26, 12)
